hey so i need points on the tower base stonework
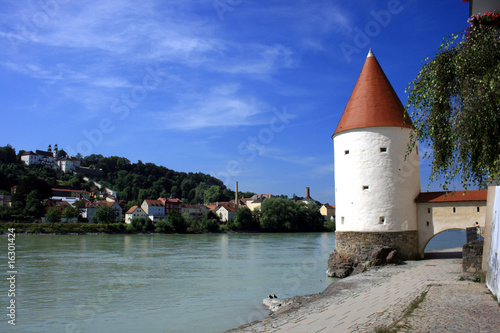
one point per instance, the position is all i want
(354, 251)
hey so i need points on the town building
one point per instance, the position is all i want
(196, 212)
(226, 212)
(171, 204)
(328, 212)
(116, 207)
(135, 212)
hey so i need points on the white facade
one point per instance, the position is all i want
(375, 187)
(154, 209)
(138, 212)
(226, 214)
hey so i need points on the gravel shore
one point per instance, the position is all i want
(380, 297)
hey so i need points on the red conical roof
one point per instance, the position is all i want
(373, 101)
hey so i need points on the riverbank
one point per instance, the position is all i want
(379, 298)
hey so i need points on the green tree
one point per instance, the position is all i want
(8, 155)
(244, 219)
(454, 103)
(104, 214)
(33, 183)
(212, 194)
(70, 212)
(177, 221)
(80, 206)
(148, 226)
(138, 223)
(33, 207)
(164, 227)
(278, 214)
(53, 215)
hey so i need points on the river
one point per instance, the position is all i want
(163, 283)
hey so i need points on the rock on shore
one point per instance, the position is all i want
(342, 266)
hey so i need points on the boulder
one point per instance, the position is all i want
(378, 256)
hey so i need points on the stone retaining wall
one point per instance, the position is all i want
(472, 254)
(360, 244)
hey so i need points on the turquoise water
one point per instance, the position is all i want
(162, 283)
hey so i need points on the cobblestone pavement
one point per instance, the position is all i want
(379, 297)
(461, 307)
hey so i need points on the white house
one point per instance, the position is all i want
(155, 209)
(135, 212)
(226, 212)
(196, 212)
(68, 163)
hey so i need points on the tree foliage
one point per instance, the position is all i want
(53, 215)
(71, 212)
(104, 214)
(279, 214)
(454, 104)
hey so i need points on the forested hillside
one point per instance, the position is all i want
(133, 182)
(139, 181)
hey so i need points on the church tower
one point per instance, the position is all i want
(375, 185)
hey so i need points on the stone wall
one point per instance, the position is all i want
(356, 251)
(361, 244)
(472, 254)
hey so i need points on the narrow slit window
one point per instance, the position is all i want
(428, 210)
(383, 149)
(454, 210)
(478, 209)
(427, 223)
(366, 187)
(346, 152)
(342, 220)
(381, 220)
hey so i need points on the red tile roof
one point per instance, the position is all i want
(132, 209)
(373, 101)
(156, 203)
(456, 196)
(228, 207)
(169, 200)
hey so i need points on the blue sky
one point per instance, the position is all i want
(247, 91)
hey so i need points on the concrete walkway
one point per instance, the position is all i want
(380, 296)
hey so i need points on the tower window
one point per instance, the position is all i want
(383, 150)
(342, 220)
(346, 152)
(454, 210)
(427, 223)
(365, 187)
(381, 220)
(428, 210)
(477, 209)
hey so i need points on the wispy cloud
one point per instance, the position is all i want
(221, 106)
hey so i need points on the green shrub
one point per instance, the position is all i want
(164, 227)
(130, 228)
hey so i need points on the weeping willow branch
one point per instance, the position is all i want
(454, 103)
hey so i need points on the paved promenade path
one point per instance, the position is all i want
(379, 297)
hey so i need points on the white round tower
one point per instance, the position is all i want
(375, 185)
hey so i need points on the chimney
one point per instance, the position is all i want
(236, 197)
(308, 192)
